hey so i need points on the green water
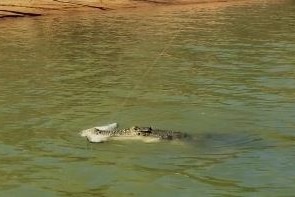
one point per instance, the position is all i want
(225, 75)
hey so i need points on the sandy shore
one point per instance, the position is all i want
(31, 8)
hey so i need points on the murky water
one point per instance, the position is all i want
(223, 74)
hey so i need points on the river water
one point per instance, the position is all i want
(224, 74)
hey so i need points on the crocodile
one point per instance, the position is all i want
(146, 134)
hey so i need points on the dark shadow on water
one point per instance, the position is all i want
(213, 143)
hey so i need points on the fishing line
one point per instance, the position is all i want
(147, 69)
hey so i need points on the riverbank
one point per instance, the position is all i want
(31, 8)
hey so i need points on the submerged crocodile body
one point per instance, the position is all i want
(147, 134)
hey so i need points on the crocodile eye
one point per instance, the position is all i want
(138, 133)
(135, 128)
(99, 132)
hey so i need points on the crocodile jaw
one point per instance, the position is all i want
(97, 138)
(91, 133)
(93, 136)
(88, 132)
(137, 138)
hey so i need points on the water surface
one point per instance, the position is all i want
(223, 74)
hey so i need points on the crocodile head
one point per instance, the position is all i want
(133, 133)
